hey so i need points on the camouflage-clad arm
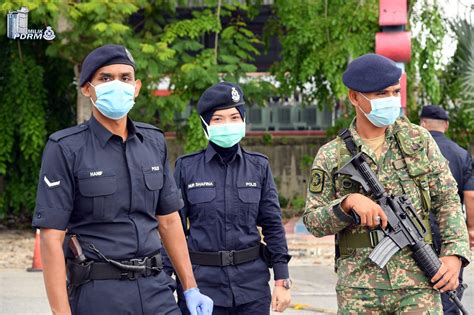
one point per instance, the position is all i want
(446, 205)
(323, 214)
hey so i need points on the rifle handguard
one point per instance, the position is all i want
(426, 258)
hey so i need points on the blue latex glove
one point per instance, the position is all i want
(198, 303)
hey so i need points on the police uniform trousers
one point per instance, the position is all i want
(146, 295)
(257, 307)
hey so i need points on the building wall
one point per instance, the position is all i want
(290, 159)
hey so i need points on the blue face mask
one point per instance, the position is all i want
(384, 110)
(114, 99)
(225, 135)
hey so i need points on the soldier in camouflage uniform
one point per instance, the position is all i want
(407, 161)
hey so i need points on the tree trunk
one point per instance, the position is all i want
(83, 103)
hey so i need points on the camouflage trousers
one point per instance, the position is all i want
(378, 301)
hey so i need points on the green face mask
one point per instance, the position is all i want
(225, 135)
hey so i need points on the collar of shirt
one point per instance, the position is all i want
(103, 134)
(211, 153)
(357, 139)
(437, 134)
(389, 135)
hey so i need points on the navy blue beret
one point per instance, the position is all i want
(371, 73)
(104, 56)
(434, 112)
(221, 95)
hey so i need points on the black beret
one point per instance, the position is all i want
(104, 56)
(434, 112)
(371, 73)
(221, 95)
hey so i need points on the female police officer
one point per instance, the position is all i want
(107, 182)
(227, 193)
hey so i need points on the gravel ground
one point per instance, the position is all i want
(16, 248)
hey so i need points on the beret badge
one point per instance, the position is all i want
(235, 95)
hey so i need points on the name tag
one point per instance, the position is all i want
(250, 184)
(155, 168)
(97, 173)
(201, 185)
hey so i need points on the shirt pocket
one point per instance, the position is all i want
(97, 193)
(153, 178)
(249, 193)
(200, 204)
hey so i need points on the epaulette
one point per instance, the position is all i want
(58, 135)
(147, 126)
(255, 154)
(190, 154)
(411, 137)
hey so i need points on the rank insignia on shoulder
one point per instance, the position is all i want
(317, 181)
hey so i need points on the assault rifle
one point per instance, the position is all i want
(404, 227)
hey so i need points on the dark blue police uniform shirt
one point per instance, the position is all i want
(224, 204)
(460, 162)
(105, 190)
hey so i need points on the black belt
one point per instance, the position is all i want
(225, 258)
(94, 270)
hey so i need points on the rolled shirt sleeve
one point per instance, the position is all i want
(468, 174)
(55, 193)
(167, 265)
(170, 199)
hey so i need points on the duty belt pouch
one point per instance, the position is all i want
(77, 274)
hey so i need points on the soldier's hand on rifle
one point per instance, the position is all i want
(370, 213)
(447, 277)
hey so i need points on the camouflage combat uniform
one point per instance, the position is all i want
(410, 162)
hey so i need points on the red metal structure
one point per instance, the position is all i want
(393, 41)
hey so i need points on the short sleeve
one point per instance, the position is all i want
(170, 199)
(55, 193)
(468, 173)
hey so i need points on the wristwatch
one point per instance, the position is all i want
(286, 283)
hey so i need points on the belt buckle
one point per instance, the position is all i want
(227, 258)
(133, 275)
(375, 237)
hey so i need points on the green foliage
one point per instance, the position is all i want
(164, 48)
(426, 64)
(195, 139)
(22, 120)
(318, 39)
(267, 139)
(298, 202)
(306, 162)
(458, 85)
(432, 82)
(344, 120)
(283, 201)
(292, 208)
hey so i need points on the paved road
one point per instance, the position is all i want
(23, 293)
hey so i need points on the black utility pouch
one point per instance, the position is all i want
(78, 274)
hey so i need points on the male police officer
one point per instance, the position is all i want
(406, 160)
(227, 193)
(435, 119)
(106, 184)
